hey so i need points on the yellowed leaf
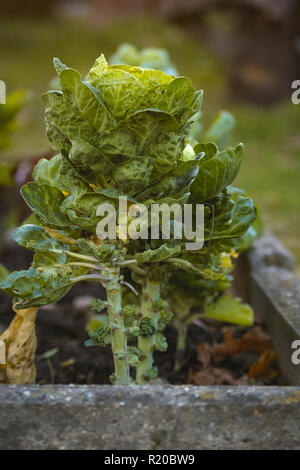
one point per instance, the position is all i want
(20, 343)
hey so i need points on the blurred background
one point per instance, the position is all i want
(244, 54)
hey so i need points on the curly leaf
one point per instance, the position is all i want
(45, 202)
(242, 215)
(157, 255)
(34, 237)
(33, 288)
(216, 171)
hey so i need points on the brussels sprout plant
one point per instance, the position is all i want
(123, 132)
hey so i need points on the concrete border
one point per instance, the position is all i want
(150, 417)
(274, 293)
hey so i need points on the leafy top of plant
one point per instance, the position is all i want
(120, 120)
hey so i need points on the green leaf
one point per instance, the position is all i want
(98, 68)
(230, 310)
(134, 175)
(186, 264)
(49, 172)
(121, 124)
(216, 172)
(120, 91)
(174, 184)
(220, 130)
(45, 201)
(157, 255)
(58, 65)
(210, 150)
(33, 288)
(242, 215)
(34, 237)
(114, 194)
(47, 280)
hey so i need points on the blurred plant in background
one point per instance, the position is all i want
(8, 125)
(149, 57)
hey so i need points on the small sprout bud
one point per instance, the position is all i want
(98, 305)
(151, 374)
(96, 322)
(134, 331)
(161, 343)
(133, 356)
(121, 355)
(226, 262)
(113, 379)
(106, 252)
(164, 319)
(130, 310)
(101, 337)
(147, 327)
(160, 304)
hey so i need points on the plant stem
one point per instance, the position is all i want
(77, 255)
(116, 323)
(146, 344)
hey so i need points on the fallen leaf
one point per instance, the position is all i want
(263, 367)
(20, 345)
(254, 340)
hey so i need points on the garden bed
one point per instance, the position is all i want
(166, 416)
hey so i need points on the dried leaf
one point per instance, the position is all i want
(20, 342)
(263, 366)
(254, 340)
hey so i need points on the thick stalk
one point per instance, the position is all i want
(146, 344)
(116, 323)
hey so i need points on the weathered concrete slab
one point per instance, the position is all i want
(190, 418)
(275, 297)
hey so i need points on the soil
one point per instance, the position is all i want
(61, 330)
